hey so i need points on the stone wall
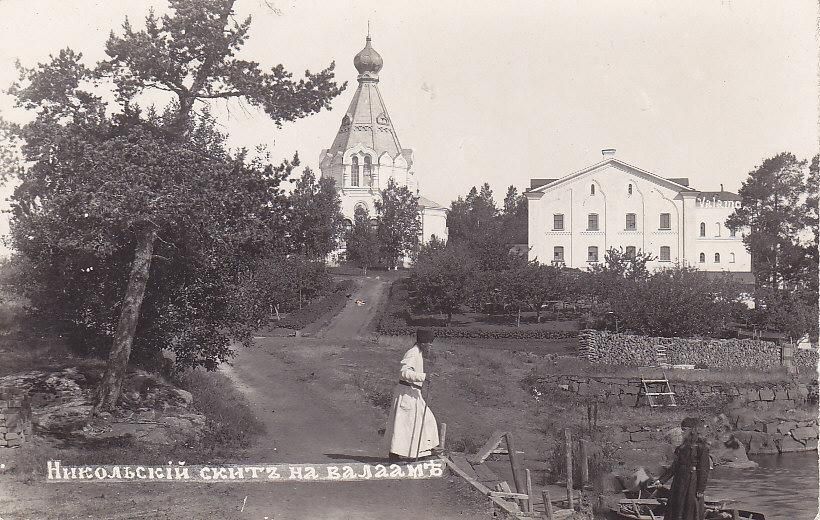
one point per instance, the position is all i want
(773, 434)
(632, 350)
(15, 418)
(620, 390)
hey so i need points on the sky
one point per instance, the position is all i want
(505, 91)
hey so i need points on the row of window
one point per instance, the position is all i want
(628, 189)
(355, 178)
(665, 222)
(665, 254)
(718, 226)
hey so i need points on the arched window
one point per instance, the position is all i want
(354, 171)
(592, 189)
(717, 258)
(702, 258)
(717, 229)
(703, 229)
(629, 190)
(731, 258)
(733, 232)
(368, 171)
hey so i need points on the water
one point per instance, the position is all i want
(783, 487)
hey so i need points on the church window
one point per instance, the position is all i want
(592, 222)
(717, 229)
(629, 190)
(731, 258)
(666, 221)
(665, 253)
(368, 171)
(558, 222)
(592, 254)
(631, 222)
(733, 232)
(702, 258)
(354, 171)
(703, 229)
(630, 251)
(592, 189)
(558, 254)
(717, 258)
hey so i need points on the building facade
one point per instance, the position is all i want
(575, 219)
(366, 152)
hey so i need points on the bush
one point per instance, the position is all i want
(334, 301)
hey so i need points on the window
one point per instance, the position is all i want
(629, 190)
(702, 258)
(592, 189)
(665, 254)
(354, 171)
(631, 223)
(733, 232)
(666, 221)
(558, 254)
(592, 222)
(717, 229)
(592, 254)
(703, 229)
(630, 251)
(558, 222)
(717, 258)
(368, 171)
(731, 258)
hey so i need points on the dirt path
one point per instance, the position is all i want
(293, 384)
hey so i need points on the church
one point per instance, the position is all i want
(366, 153)
(573, 220)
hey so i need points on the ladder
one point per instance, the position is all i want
(653, 391)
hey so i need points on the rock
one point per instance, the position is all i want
(743, 419)
(805, 432)
(633, 482)
(788, 445)
(731, 451)
(639, 436)
(762, 443)
(674, 436)
(786, 427)
(811, 444)
(184, 395)
(766, 394)
(772, 427)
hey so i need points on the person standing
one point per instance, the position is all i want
(412, 430)
(689, 473)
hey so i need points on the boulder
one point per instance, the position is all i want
(786, 426)
(762, 443)
(184, 395)
(805, 432)
(766, 394)
(633, 482)
(788, 445)
(743, 419)
(731, 453)
(674, 436)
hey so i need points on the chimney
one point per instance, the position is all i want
(721, 187)
(608, 152)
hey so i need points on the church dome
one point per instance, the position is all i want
(368, 62)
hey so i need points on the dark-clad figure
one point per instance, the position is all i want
(689, 473)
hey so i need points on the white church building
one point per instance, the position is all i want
(575, 219)
(366, 152)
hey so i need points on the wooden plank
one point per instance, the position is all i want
(489, 446)
(442, 437)
(503, 504)
(584, 452)
(547, 503)
(517, 469)
(461, 462)
(529, 492)
(568, 442)
(507, 494)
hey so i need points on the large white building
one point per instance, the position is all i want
(366, 152)
(575, 219)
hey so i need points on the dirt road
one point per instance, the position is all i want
(311, 417)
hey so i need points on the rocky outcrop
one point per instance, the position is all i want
(785, 434)
(151, 410)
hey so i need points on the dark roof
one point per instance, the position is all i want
(683, 181)
(424, 202)
(537, 183)
(720, 195)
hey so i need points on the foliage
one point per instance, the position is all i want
(362, 240)
(779, 212)
(440, 279)
(111, 187)
(321, 306)
(514, 216)
(399, 222)
(314, 216)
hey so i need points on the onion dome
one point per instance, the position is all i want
(368, 62)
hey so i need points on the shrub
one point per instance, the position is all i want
(332, 302)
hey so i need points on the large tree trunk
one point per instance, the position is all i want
(111, 385)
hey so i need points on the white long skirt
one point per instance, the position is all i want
(404, 427)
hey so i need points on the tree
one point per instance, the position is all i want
(514, 216)
(314, 216)
(399, 222)
(109, 188)
(362, 242)
(532, 286)
(440, 280)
